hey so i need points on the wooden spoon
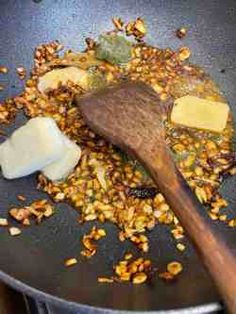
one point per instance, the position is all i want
(130, 116)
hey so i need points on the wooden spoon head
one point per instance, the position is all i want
(128, 114)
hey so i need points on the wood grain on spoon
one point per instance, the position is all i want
(130, 116)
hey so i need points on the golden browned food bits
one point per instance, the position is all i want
(3, 222)
(139, 27)
(201, 156)
(139, 278)
(21, 71)
(21, 197)
(118, 23)
(174, 268)
(232, 223)
(3, 69)
(14, 231)
(88, 241)
(70, 262)
(181, 247)
(184, 53)
(181, 32)
(166, 276)
(136, 28)
(38, 210)
(105, 280)
(128, 256)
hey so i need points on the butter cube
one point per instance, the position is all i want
(62, 167)
(200, 113)
(31, 147)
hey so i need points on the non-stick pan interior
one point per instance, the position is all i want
(36, 257)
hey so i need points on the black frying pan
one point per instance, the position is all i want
(33, 262)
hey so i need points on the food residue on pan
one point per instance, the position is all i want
(132, 270)
(71, 262)
(14, 231)
(181, 32)
(104, 184)
(21, 71)
(3, 222)
(89, 240)
(3, 70)
(37, 210)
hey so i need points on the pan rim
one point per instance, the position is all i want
(44, 296)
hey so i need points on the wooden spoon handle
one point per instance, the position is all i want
(130, 115)
(214, 253)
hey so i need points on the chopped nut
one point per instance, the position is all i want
(232, 171)
(21, 72)
(232, 223)
(19, 213)
(213, 216)
(105, 280)
(49, 211)
(37, 209)
(129, 28)
(70, 262)
(26, 222)
(59, 196)
(184, 53)
(136, 28)
(166, 276)
(88, 241)
(120, 269)
(3, 222)
(21, 197)
(201, 194)
(181, 247)
(139, 278)
(144, 247)
(88, 253)
(101, 233)
(118, 23)
(139, 28)
(90, 217)
(125, 276)
(128, 256)
(181, 32)
(135, 271)
(177, 233)
(174, 268)
(222, 217)
(14, 231)
(3, 69)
